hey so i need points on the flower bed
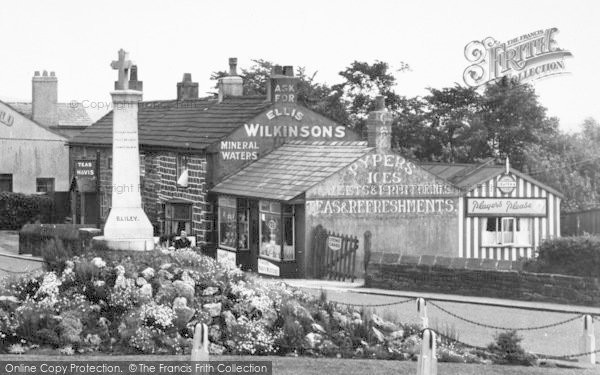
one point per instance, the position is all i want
(121, 302)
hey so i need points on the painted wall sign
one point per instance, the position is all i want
(334, 243)
(226, 257)
(267, 268)
(507, 207)
(6, 118)
(255, 130)
(506, 183)
(380, 206)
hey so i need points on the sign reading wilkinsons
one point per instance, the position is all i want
(507, 207)
(526, 58)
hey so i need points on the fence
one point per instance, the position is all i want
(334, 255)
(580, 222)
(427, 363)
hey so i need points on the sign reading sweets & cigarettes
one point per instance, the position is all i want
(526, 58)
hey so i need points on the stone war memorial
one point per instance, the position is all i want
(127, 226)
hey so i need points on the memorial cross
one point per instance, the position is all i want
(122, 65)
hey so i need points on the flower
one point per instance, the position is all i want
(148, 273)
(98, 262)
(159, 316)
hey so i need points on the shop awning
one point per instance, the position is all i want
(291, 169)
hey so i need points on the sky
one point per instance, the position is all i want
(78, 40)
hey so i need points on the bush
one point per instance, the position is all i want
(507, 350)
(18, 209)
(33, 237)
(577, 256)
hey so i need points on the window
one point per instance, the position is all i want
(109, 163)
(44, 185)
(178, 217)
(227, 222)
(273, 236)
(506, 231)
(243, 224)
(6, 183)
(182, 164)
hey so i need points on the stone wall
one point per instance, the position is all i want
(158, 171)
(476, 277)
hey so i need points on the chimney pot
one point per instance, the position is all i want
(379, 127)
(380, 103)
(134, 84)
(44, 98)
(288, 70)
(186, 89)
(233, 66)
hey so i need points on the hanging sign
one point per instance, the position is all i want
(507, 207)
(334, 243)
(507, 183)
(85, 173)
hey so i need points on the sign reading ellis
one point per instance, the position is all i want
(526, 58)
(506, 207)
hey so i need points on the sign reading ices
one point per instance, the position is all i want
(526, 58)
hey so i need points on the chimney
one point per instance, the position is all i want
(282, 85)
(134, 84)
(231, 85)
(379, 127)
(186, 89)
(44, 89)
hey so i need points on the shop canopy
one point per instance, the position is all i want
(292, 169)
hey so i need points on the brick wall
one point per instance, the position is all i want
(476, 277)
(159, 184)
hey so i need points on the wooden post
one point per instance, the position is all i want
(200, 343)
(422, 310)
(427, 363)
(588, 341)
(98, 198)
(82, 197)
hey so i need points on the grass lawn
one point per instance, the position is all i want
(331, 366)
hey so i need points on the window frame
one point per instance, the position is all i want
(7, 177)
(169, 220)
(500, 232)
(52, 181)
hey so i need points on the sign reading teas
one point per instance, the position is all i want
(507, 207)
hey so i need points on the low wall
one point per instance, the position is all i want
(476, 277)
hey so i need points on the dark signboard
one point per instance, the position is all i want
(85, 173)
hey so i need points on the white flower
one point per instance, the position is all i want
(98, 262)
(148, 273)
(99, 283)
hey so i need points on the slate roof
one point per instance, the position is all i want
(189, 124)
(292, 169)
(68, 115)
(469, 176)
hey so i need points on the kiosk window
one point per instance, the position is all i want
(227, 222)
(506, 231)
(178, 217)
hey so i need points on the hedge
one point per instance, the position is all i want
(17, 209)
(34, 237)
(577, 256)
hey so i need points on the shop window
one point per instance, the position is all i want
(277, 240)
(506, 231)
(227, 222)
(6, 182)
(44, 185)
(178, 217)
(243, 223)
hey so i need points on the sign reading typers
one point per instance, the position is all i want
(334, 243)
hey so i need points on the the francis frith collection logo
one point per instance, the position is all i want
(527, 57)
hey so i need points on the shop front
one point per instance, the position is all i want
(259, 235)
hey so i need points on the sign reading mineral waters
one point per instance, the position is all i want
(526, 58)
(507, 207)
